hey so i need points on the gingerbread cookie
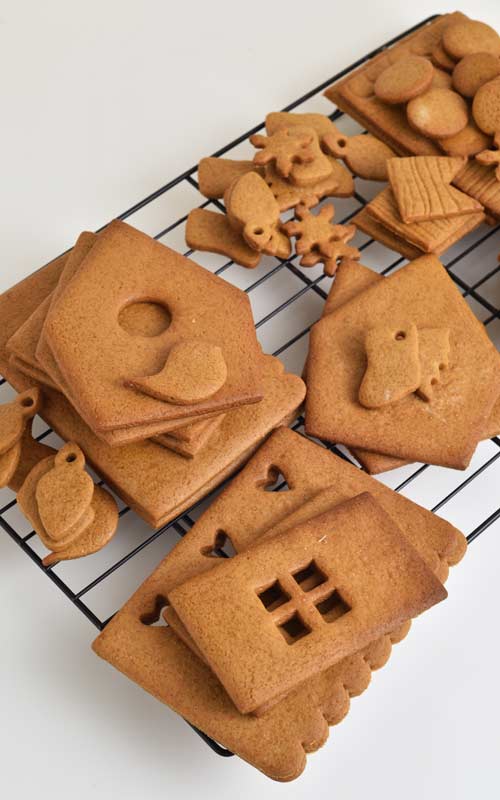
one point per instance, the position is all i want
(276, 599)
(339, 183)
(71, 515)
(491, 157)
(404, 80)
(212, 232)
(215, 175)
(438, 113)
(170, 484)
(365, 155)
(429, 236)
(87, 320)
(473, 71)
(422, 293)
(393, 365)
(354, 93)
(468, 142)
(252, 210)
(441, 59)
(165, 666)
(194, 371)
(486, 107)
(14, 416)
(353, 278)
(421, 187)
(470, 36)
(277, 120)
(284, 148)
(320, 241)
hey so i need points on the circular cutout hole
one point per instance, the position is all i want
(70, 458)
(27, 402)
(342, 142)
(144, 318)
(442, 366)
(434, 381)
(400, 336)
(258, 231)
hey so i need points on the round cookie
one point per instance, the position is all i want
(486, 107)
(438, 113)
(441, 79)
(469, 36)
(403, 80)
(473, 71)
(468, 142)
(441, 59)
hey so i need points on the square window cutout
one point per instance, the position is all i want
(309, 577)
(293, 629)
(273, 596)
(333, 606)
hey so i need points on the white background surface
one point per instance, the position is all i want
(101, 103)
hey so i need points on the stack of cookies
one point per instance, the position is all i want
(149, 363)
(420, 212)
(435, 92)
(292, 168)
(262, 651)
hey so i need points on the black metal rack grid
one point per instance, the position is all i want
(480, 290)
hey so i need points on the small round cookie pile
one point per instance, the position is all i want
(460, 110)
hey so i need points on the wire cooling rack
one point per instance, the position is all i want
(286, 301)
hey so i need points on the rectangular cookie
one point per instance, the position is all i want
(429, 236)
(161, 663)
(298, 603)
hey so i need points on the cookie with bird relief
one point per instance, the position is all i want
(14, 415)
(194, 371)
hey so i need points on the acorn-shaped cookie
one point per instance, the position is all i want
(71, 515)
(64, 495)
(13, 419)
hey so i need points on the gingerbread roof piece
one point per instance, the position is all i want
(421, 187)
(429, 236)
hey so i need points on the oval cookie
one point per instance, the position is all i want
(473, 71)
(438, 113)
(405, 79)
(486, 107)
(470, 36)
